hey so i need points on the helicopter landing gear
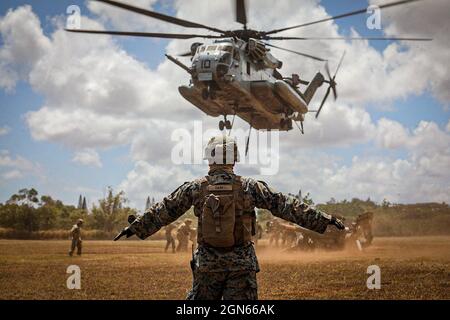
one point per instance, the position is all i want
(225, 124)
(283, 123)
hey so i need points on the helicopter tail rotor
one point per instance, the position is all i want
(331, 83)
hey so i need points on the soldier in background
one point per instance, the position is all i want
(365, 220)
(170, 239)
(75, 234)
(275, 232)
(224, 265)
(259, 233)
(289, 234)
(362, 229)
(183, 235)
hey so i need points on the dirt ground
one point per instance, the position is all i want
(411, 268)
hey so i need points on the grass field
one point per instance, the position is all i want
(411, 268)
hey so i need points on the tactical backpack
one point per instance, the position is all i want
(222, 221)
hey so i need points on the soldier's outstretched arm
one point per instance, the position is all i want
(289, 208)
(164, 212)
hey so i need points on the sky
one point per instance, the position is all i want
(80, 113)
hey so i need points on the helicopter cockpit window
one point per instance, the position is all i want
(227, 48)
(201, 49)
(225, 58)
(211, 48)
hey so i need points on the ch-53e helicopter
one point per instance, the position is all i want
(236, 74)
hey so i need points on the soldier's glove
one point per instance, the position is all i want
(337, 223)
(131, 218)
(126, 231)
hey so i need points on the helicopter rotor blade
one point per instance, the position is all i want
(339, 64)
(185, 54)
(349, 38)
(160, 16)
(332, 82)
(333, 88)
(327, 69)
(241, 14)
(344, 15)
(296, 52)
(146, 34)
(323, 101)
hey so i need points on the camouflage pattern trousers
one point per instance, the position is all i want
(75, 244)
(231, 285)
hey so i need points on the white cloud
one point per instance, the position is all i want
(23, 46)
(87, 157)
(337, 125)
(422, 174)
(120, 19)
(156, 180)
(14, 167)
(391, 134)
(427, 61)
(80, 128)
(4, 130)
(12, 175)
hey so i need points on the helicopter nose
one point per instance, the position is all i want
(205, 64)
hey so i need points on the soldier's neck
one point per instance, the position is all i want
(219, 168)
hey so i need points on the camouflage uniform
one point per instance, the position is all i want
(75, 233)
(227, 273)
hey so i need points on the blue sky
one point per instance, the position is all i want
(65, 179)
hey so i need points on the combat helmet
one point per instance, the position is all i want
(221, 150)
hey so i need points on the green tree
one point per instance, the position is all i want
(147, 203)
(84, 205)
(111, 214)
(24, 196)
(80, 202)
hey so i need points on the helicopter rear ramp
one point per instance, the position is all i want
(193, 96)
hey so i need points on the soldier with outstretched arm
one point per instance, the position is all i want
(224, 265)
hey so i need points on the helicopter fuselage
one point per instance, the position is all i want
(225, 81)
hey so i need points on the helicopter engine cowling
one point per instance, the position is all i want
(257, 51)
